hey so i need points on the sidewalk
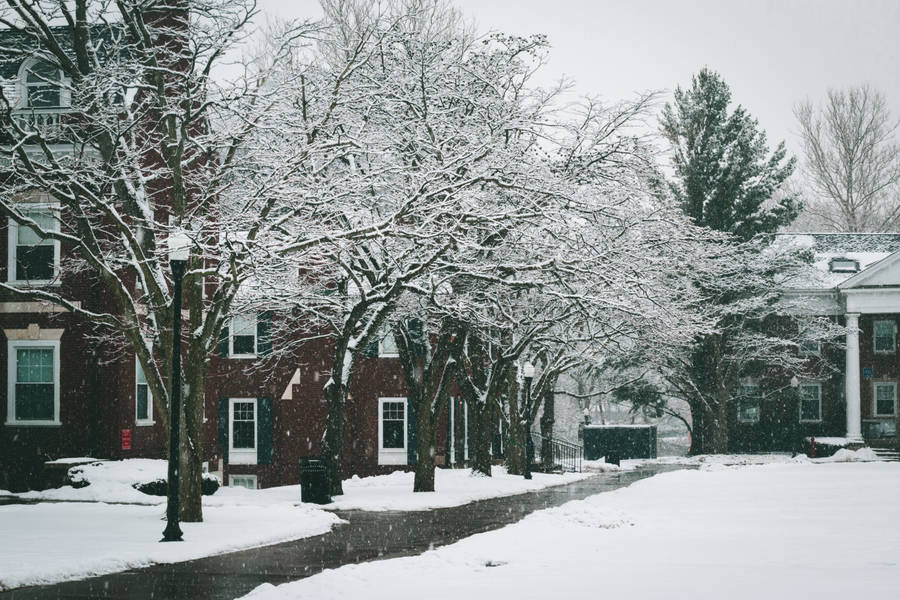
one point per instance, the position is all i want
(367, 536)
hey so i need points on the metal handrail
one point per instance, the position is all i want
(567, 456)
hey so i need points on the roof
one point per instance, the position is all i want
(866, 248)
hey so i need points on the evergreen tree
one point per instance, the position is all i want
(724, 178)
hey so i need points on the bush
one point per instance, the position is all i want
(160, 487)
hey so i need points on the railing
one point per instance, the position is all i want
(567, 456)
(46, 122)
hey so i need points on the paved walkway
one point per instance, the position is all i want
(367, 536)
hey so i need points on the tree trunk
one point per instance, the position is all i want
(191, 454)
(424, 476)
(515, 450)
(333, 440)
(547, 421)
(479, 438)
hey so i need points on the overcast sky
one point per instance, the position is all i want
(773, 53)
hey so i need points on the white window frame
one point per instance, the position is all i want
(11, 349)
(801, 399)
(149, 420)
(893, 325)
(875, 386)
(382, 352)
(758, 397)
(12, 240)
(252, 479)
(243, 456)
(65, 94)
(231, 330)
(392, 456)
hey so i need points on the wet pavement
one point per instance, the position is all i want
(367, 536)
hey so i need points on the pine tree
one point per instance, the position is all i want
(724, 178)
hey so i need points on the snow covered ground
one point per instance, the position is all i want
(45, 542)
(789, 530)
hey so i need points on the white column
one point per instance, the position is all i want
(851, 380)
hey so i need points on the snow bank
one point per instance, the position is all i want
(788, 530)
(453, 487)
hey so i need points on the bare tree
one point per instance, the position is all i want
(852, 162)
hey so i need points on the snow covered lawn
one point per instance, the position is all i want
(46, 542)
(453, 487)
(50, 542)
(794, 530)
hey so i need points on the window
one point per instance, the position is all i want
(33, 383)
(392, 431)
(243, 336)
(885, 399)
(242, 431)
(33, 259)
(843, 265)
(810, 403)
(749, 403)
(809, 346)
(885, 335)
(42, 85)
(387, 346)
(142, 396)
(244, 481)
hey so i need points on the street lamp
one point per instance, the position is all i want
(179, 251)
(528, 375)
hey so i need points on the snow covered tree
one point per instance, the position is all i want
(725, 178)
(852, 161)
(142, 143)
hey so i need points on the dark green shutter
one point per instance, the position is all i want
(264, 333)
(223, 426)
(414, 326)
(264, 431)
(410, 432)
(371, 349)
(223, 342)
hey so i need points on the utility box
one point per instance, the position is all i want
(619, 442)
(315, 481)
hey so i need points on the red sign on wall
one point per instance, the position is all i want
(126, 439)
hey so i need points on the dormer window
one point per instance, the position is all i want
(843, 265)
(42, 86)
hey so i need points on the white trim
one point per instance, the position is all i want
(231, 353)
(801, 399)
(12, 239)
(875, 386)
(11, 347)
(149, 420)
(392, 456)
(243, 456)
(249, 478)
(384, 354)
(893, 348)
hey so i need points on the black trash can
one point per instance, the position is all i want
(315, 481)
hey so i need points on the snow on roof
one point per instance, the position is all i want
(865, 248)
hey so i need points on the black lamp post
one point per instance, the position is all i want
(796, 442)
(528, 375)
(178, 256)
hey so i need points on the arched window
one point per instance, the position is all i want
(41, 85)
